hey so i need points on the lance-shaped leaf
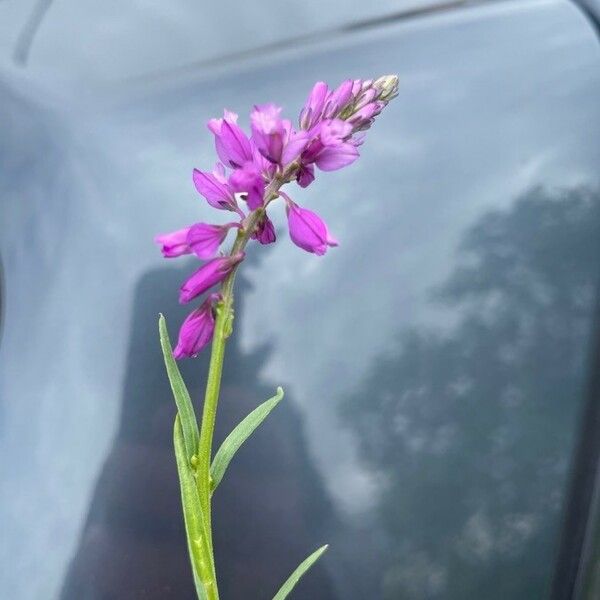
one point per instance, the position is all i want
(294, 578)
(189, 425)
(192, 516)
(239, 435)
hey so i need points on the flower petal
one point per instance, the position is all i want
(218, 194)
(332, 158)
(174, 243)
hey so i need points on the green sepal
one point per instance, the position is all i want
(294, 578)
(189, 425)
(238, 436)
(192, 514)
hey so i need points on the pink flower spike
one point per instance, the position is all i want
(174, 243)
(197, 330)
(207, 275)
(204, 239)
(307, 229)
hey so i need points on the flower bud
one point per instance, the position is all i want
(207, 275)
(197, 330)
(307, 230)
(387, 87)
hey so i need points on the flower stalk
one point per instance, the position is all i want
(331, 129)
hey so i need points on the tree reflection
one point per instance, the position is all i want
(471, 428)
(270, 509)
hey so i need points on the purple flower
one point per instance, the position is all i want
(249, 181)
(197, 330)
(231, 143)
(214, 187)
(265, 232)
(204, 239)
(307, 229)
(275, 137)
(207, 275)
(174, 243)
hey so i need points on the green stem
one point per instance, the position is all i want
(223, 327)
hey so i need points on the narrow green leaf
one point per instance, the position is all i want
(185, 408)
(192, 515)
(239, 435)
(294, 578)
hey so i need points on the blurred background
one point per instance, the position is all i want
(440, 425)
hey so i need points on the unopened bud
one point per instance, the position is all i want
(387, 87)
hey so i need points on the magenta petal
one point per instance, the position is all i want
(235, 145)
(207, 275)
(204, 239)
(218, 194)
(268, 131)
(250, 182)
(332, 158)
(333, 132)
(311, 113)
(174, 243)
(294, 146)
(338, 99)
(197, 330)
(308, 230)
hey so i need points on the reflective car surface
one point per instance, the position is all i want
(435, 364)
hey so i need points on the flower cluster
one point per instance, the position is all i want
(248, 177)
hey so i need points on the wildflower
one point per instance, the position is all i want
(215, 188)
(275, 138)
(307, 229)
(174, 243)
(253, 169)
(197, 330)
(207, 275)
(204, 239)
(249, 181)
(231, 143)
